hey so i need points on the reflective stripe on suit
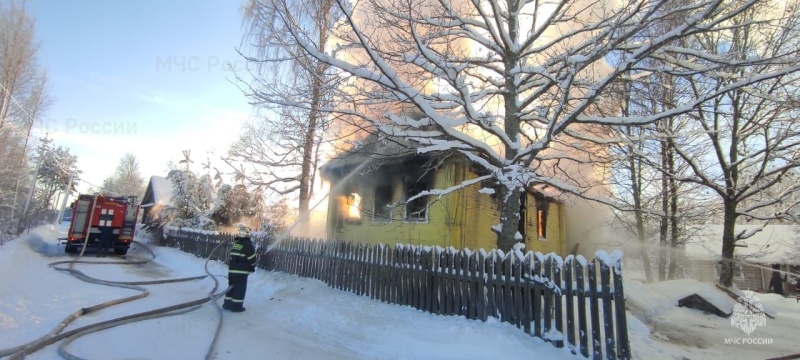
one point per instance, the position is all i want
(242, 262)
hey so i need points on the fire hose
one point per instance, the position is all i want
(56, 334)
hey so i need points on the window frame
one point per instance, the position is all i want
(412, 189)
(348, 203)
(387, 217)
(542, 213)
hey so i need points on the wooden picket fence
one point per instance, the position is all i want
(570, 302)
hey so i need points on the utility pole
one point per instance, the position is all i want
(64, 201)
(24, 215)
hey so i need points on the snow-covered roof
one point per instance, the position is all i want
(372, 149)
(377, 150)
(162, 190)
(773, 244)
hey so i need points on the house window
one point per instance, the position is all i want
(541, 217)
(383, 198)
(417, 209)
(353, 207)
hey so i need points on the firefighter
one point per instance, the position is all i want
(106, 235)
(242, 262)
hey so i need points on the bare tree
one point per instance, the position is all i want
(499, 81)
(54, 174)
(289, 88)
(657, 210)
(23, 100)
(746, 141)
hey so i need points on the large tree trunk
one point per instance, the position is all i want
(308, 152)
(510, 193)
(729, 199)
(509, 218)
(728, 227)
(673, 208)
(309, 142)
(663, 228)
(634, 162)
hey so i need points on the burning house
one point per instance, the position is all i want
(374, 198)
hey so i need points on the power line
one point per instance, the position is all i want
(56, 162)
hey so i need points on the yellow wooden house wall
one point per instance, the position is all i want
(460, 219)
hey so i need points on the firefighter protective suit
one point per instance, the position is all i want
(242, 262)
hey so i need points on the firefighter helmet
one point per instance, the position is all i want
(244, 230)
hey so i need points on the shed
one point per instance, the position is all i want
(769, 245)
(157, 196)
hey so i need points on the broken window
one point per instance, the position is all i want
(416, 209)
(383, 199)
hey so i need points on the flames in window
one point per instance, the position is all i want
(354, 207)
(541, 217)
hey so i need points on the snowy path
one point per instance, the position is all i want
(287, 317)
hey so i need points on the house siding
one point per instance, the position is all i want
(460, 219)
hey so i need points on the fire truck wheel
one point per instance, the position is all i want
(121, 250)
(69, 249)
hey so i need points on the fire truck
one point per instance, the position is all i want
(91, 213)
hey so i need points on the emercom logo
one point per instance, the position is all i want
(748, 315)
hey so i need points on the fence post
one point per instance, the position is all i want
(516, 294)
(526, 293)
(537, 294)
(436, 290)
(608, 319)
(597, 350)
(622, 320)
(420, 274)
(582, 328)
(473, 286)
(568, 293)
(548, 297)
(491, 306)
(559, 318)
(362, 269)
(508, 294)
(481, 274)
(458, 291)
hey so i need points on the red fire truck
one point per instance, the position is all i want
(92, 212)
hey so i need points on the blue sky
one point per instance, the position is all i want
(146, 77)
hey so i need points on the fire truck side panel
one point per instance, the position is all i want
(129, 223)
(80, 217)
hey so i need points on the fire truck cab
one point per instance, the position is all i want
(92, 212)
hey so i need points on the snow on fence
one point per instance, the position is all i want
(568, 302)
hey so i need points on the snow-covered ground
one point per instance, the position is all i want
(289, 317)
(659, 329)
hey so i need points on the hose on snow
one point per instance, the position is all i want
(56, 334)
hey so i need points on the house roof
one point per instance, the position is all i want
(372, 150)
(162, 190)
(774, 244)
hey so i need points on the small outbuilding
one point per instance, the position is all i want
(157, 197)
(769, 246)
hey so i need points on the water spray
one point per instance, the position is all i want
(283, 235)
